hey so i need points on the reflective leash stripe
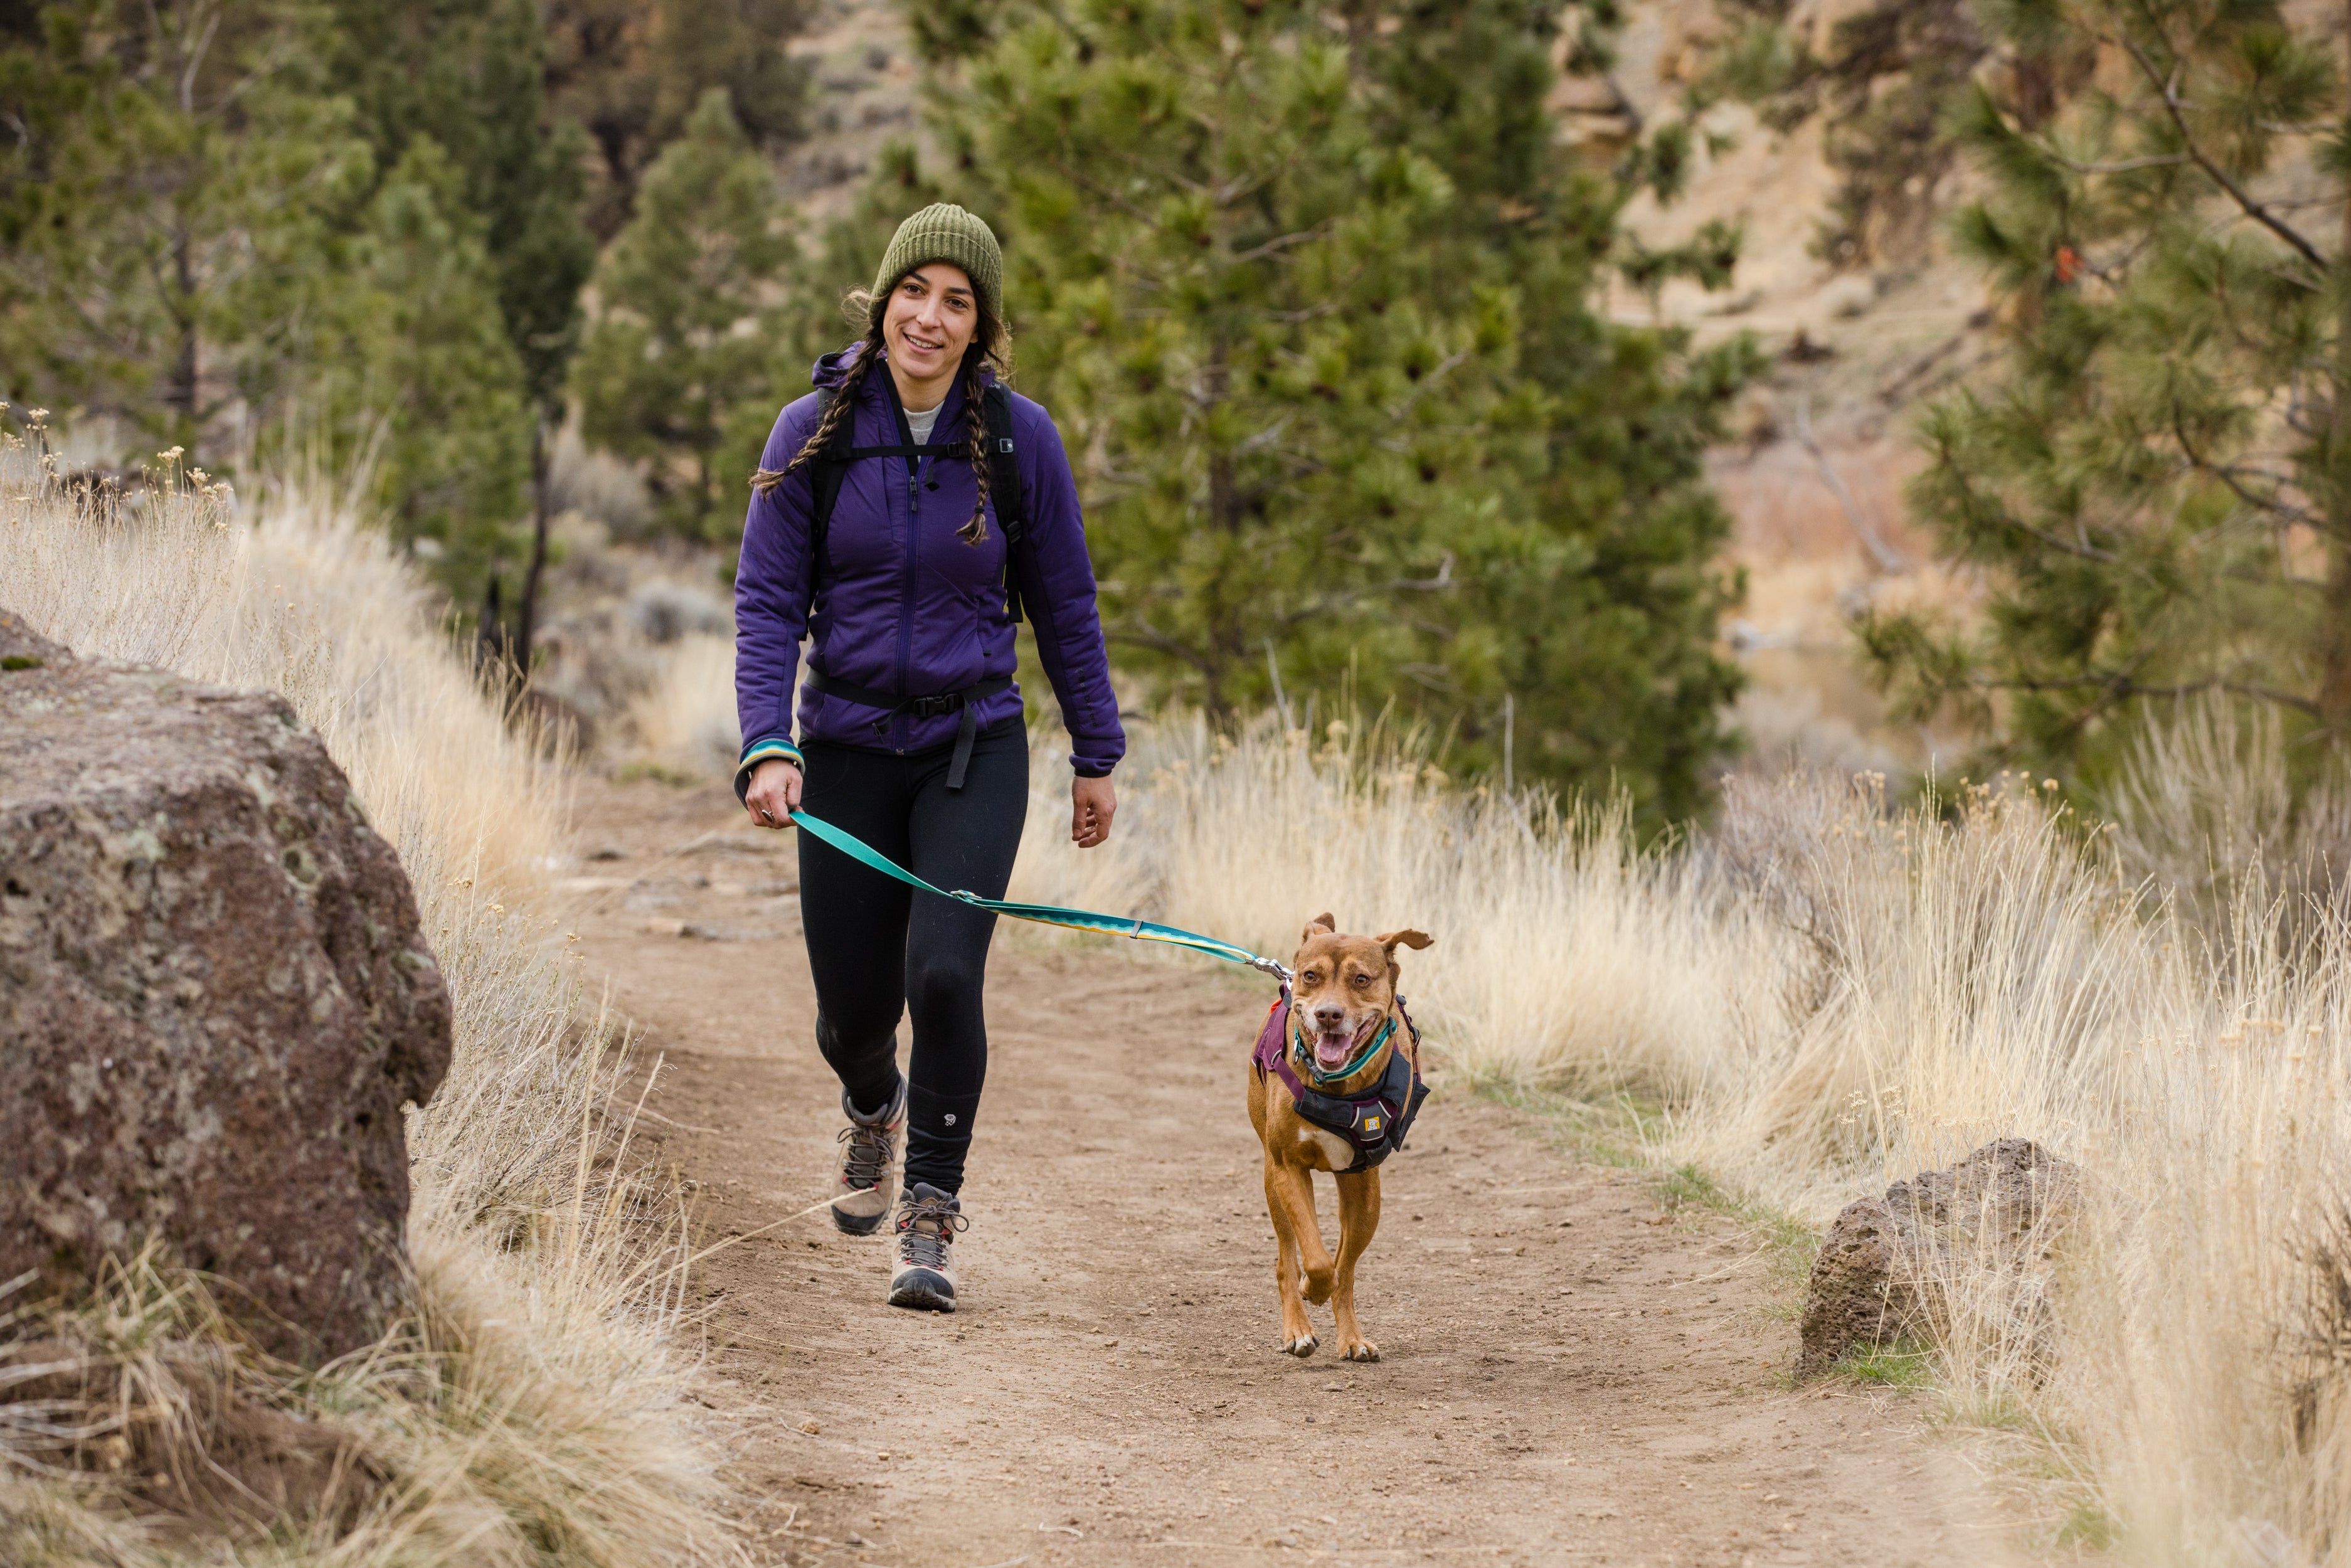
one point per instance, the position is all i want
(858, 849)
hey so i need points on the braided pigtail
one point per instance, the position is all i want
(842, 406)
(974, 421)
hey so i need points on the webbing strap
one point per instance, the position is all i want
(858, 849)
(936, 449)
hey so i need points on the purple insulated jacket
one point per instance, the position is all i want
(903, 606)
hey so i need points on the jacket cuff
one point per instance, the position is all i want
(765, 749)
(1091, 767)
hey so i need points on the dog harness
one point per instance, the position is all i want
(1375, 1124)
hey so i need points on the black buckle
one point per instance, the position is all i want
(936, 708)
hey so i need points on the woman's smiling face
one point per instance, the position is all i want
(929, 323)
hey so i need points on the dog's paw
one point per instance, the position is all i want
(1362, 1350)
(1318, 1285)
(1302, 1346)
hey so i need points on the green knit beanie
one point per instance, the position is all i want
(945, 232)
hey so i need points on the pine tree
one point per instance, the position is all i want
(633, 71)
(172, 209)
(681, 361)
(2157, 491)
(1309, 292)
(472, 78)
(417, 386)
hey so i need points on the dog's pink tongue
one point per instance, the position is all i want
(1330, 1049)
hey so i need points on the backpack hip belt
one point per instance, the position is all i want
(965, 702)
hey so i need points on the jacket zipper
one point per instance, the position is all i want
(914, 481)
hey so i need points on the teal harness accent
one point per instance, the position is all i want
(1049, 914)
(1306, 1057)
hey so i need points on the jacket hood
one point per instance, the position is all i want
(832, 369)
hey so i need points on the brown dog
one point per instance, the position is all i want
(1320, 1103)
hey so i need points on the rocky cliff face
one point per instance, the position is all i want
(214, 997)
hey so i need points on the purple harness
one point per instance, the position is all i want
(1373, 1123)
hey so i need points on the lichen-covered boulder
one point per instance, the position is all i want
(1891, 1266)
(214, 997)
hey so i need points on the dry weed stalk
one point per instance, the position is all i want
(532, 1409)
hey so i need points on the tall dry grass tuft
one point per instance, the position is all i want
(1831, 989)
(533, 1408)
(685, 721)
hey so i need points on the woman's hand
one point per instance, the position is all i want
(1092, 803)
(774, 794)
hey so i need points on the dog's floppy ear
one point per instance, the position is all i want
(1412, 939)
(1321, 922)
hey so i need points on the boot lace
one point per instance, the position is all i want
(867, 1157)
(926, 1227)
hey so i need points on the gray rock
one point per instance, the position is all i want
(1887, 1268)
(214, 997)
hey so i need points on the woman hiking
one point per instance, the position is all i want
(910, 723)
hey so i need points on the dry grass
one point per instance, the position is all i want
(685, 721)
(532, 1407)
(1831, 990)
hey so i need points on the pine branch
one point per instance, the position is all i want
(2120, 688)
(2227, 473)
(1142, 636)
(1239, 187)
(1444, 367)
(1274, 247)
(2170, 89)
(1263, 438)
(2082, 551)
(1133, 210)
(2125, 166)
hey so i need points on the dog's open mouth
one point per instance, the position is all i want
(1333, 1047)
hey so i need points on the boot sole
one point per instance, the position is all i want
(858, 1224)
(923, 1291)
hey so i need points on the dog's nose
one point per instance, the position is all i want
(1331, 1015)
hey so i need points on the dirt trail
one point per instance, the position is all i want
(1568, 1375)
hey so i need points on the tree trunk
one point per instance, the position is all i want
(2334, 674)
(180, 393)
(1227, 642)
(490, 646)
(526, 611)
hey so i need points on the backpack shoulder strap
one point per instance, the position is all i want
(825, 481)
(1004, 487)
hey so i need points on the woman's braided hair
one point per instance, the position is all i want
(989, 344)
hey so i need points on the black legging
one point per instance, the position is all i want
(877, 947)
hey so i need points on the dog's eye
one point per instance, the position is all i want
(1311, 978)
(1362, 980)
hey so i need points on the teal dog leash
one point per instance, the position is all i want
(858, 849)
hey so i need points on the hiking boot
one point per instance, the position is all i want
(927, 1222)
(869, 1176)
